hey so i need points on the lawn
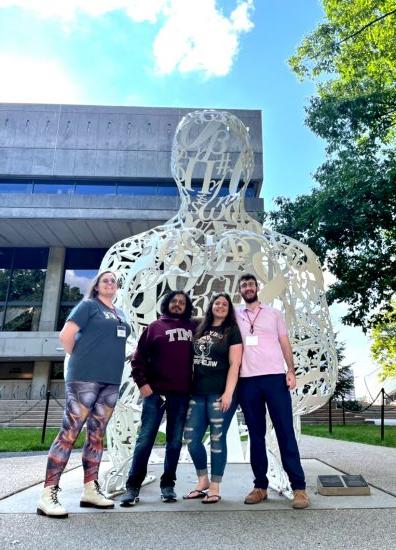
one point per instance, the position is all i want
(29, 439)
(360, 433)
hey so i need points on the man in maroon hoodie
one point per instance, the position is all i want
(162, 369)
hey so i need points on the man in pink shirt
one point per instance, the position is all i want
(264, 381)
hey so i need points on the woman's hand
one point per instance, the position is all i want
(67, 336)
(225, 401)
(146, 391)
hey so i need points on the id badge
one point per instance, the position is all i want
(251, 340)
(121, 331)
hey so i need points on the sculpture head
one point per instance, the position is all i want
(211, 154)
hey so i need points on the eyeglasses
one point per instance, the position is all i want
(248, 284)
(108, 281)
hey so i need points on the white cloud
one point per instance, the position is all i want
(194, 35)
(32, 80)
(138, 10)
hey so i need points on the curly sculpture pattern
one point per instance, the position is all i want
(205, 248)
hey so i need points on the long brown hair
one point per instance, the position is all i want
(92, 292)
(207, 321)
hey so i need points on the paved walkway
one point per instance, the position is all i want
(331, 523)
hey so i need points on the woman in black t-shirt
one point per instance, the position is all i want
(217, 358)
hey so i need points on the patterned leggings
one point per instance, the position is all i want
(85, 401)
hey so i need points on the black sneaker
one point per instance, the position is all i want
(130, 497)
(168, 494)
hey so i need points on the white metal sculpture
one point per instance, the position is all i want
(205, 248)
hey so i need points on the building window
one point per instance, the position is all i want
(22, 279)
(54, 188)
(57, 369)
(81, 266)
(16, 370)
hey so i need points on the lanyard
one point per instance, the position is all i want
(113, 311)
(254, 320)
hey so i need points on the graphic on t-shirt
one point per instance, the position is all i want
(179, 334)
(203, 346)
(109, 315)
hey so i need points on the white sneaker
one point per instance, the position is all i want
(49, 505)
(92, 496)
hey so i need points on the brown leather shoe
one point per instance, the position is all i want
(300, 499)
(256, 496)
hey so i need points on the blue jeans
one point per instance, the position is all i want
(154, 407)
(254, 393)
(204, 411)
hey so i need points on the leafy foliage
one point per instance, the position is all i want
(349, 218)
(345, 379)
(383, 348)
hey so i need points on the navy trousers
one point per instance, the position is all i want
(254, 394)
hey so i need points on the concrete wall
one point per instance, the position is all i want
(30, 346)
(97, 141)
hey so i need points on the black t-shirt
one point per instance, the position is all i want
(211, 362)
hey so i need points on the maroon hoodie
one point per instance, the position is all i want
(163, 357)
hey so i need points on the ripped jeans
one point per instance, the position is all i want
(204, 411)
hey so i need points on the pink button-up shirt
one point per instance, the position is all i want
(266, 357)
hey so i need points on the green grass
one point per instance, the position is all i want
(359, 433)
(29, 439)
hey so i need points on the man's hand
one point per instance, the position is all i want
(291, 380)
(146, 391)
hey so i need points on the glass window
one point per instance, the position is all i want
(168, 190)
(81, 266)
(139, 189)
(22, 318)
(92, 189)
(22, 279)
(18, 370)
(16, 187)
(57, 370)
(54, 188)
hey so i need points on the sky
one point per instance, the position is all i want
(178, 53)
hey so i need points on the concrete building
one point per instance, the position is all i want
(74, 180)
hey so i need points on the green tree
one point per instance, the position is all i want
(345, 379)
(349, 218)
(383, 346)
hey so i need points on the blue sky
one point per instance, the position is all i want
(226, 54)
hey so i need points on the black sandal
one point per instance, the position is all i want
(215, 501)
(201, 494)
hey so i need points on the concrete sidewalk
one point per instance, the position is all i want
(331, 522)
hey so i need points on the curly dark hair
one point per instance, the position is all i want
(207, 321)
(167, 299)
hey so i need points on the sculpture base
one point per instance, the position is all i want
(344, 485)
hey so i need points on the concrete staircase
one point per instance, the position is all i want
(374, 412)
(30, 413)
(321, 416)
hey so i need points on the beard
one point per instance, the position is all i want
(175, 314)
(251, 299)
